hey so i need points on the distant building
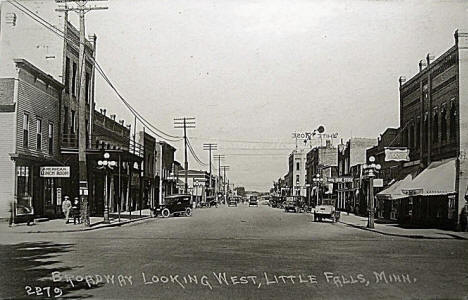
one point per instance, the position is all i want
(350, 189)
(321, 161)
(297, 173)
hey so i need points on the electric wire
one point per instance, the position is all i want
(73, 43)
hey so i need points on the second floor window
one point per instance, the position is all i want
(435, 128)
(74, 79)
(38, 134)
(73, 121)
(25, 130)
(88, 78)
(65, 119)
(297, 166)
(67, 75)
(51, 138)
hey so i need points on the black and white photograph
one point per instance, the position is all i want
(233, 149)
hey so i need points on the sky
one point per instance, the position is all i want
(254, 72)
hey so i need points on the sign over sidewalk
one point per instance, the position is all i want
(55, 172)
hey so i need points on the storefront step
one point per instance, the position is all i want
(41, 220)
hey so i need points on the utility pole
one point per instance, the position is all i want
(219, 157)
(185, 122)
(210, 147)
(224, 180)
(82, 9)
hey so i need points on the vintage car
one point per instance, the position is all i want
(175, 205)
(253, 201)
(326, 210)
(232, 201)
(294, 203)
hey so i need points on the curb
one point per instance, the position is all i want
(90, 228)
(411, 236)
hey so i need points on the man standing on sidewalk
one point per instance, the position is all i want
(66, 207)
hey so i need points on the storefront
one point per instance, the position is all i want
(38, 189)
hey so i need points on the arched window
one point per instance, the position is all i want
(426, 131)
(453, 121)
(418, 132)
(411, 137)
(435, 128)
(443, 125)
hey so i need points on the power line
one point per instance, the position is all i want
(73, 43)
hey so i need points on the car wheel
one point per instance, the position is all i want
(188, 212)
(165, 213)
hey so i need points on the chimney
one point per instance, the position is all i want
(129, 126)
(113, 117)
(402, 80)
(429, 57)
(121, 122)
(422, 64)
(104, 111)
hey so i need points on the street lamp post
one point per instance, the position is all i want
(370, 170)
(318, 180)
(107, 165)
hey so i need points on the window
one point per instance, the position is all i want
(418, 133)
(411, 138)
(297, 166)
(425, 132)
(297, 179)
(88, 77)
(453, 122)
(435, 128)
(73, 121)
(67, 75)
(443, 125)
(51, 138)
(25, 130)
(74, 79)
(38, 134)
(65, 119)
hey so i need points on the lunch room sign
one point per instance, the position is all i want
(55, 172)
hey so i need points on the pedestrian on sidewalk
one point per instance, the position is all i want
(348, 207)
(66, 207)
(76, 210)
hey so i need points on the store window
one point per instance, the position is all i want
(24, 191)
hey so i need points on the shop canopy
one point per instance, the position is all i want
(437, 179)
(393, 192)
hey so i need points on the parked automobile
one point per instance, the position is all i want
(232, 201)
(326, 210)
(175, 205)
(253, 201)
(292, 203)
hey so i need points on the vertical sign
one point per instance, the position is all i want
(59, 196)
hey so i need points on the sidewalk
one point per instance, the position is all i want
(58, 225)
(396, 230)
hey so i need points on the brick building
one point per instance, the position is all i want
(297, 172)
(323, 161)
(434, 127)
(29, 117)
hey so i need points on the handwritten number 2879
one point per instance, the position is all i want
(43, 291)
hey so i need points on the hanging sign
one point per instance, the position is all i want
(55, 172)
(400, 154)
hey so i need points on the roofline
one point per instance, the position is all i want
(24, 64)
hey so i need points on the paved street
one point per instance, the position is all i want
(232, 253)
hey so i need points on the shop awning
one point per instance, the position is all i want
(437, 179)
(393, 192)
